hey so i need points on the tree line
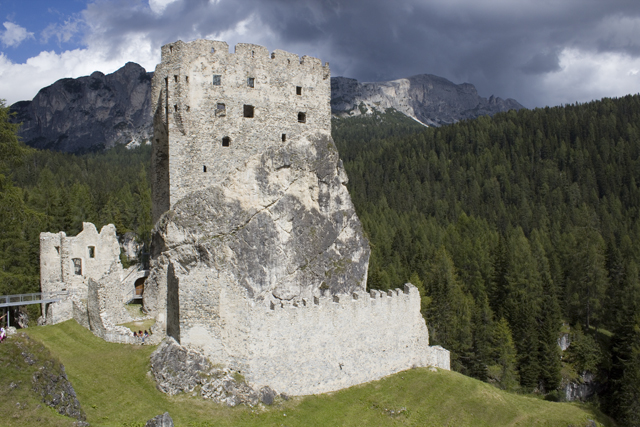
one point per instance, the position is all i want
(516, 229)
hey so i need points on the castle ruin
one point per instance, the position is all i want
(259, 260)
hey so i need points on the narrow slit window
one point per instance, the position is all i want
(251, 81)
(284, 137)
(204, 169)
(92, 251)
(298, 90)
(175, 78)
(213, 50)
(302, 118)
(217, 79)
(58, 249)
(175, 107)
(253, 53)
(188, 108)
(226, 141)
(186, 79)
(248, 111)
(77, 266)
(170, 48)
(166, 80)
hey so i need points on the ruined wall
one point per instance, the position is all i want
(68, 262)
(311, 345)
(200, 91)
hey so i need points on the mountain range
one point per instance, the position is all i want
(99, 111)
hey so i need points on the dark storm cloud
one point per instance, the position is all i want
(506, 48)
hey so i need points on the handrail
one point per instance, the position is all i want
(33, 298)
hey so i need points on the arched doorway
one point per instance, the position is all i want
(139, 285)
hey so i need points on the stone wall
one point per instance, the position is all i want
(312, 345)
(200, 91)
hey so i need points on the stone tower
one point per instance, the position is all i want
(215, 110)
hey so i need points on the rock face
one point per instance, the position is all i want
(88, 113)
(429, 99)
(163, 420)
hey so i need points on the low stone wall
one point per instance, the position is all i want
(330, 343)
(313, 345)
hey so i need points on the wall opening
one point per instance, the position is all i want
(226, 141)
(188, 108)
(251, 81)
(58, 249)
(170, 48)
(302, 118)
(253, 53)
(298, 90)
(220, 106)
(217, 79)
(77, 266)
(284, 137)
(173, 304)
(213, 50)
(186, 79)
(92, 251)
(175, 78)
(139, 286)
(248, 111)
(204, 169)
(175, 107)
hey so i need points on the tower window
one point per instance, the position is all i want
(204, 169)
(248, 111)
(302, 118)
(92, 251)
(252, 53)
(175, 107)
(284, 137)
(186, 79)
(225, 142)
(250, 81)
(175, 78)
(221, 106)
(298, 90)
(213, 50)
(217, 78)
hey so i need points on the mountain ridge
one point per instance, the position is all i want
(99, 111)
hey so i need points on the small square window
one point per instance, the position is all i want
(92, 251)
(248, 111)
(298, 90)
(226, 141)
(221, 106)
(302, 118)
(251, 81)
(217, 79)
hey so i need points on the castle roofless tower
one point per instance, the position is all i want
(215, 109)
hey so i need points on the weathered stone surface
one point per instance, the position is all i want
(177, 369)
(88, 113)
(163, 420)
(430, 99)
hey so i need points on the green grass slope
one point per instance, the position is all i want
(115, 389)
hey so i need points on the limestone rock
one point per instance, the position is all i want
(177, 369)
(283, 227)
(163, 420)
(432, 100)
(88, 113)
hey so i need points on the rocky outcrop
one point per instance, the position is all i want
(429, 99)
(163, 420)
(282, 227)
(178, 369)
(88, 113)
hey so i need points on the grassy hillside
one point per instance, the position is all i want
(115, 389)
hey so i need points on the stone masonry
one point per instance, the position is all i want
(259, 260)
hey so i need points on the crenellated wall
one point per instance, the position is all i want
(190, 149)
(309, 345)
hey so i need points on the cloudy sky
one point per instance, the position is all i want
(540, 52)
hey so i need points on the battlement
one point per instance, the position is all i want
(214, 109)
(374, 298)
